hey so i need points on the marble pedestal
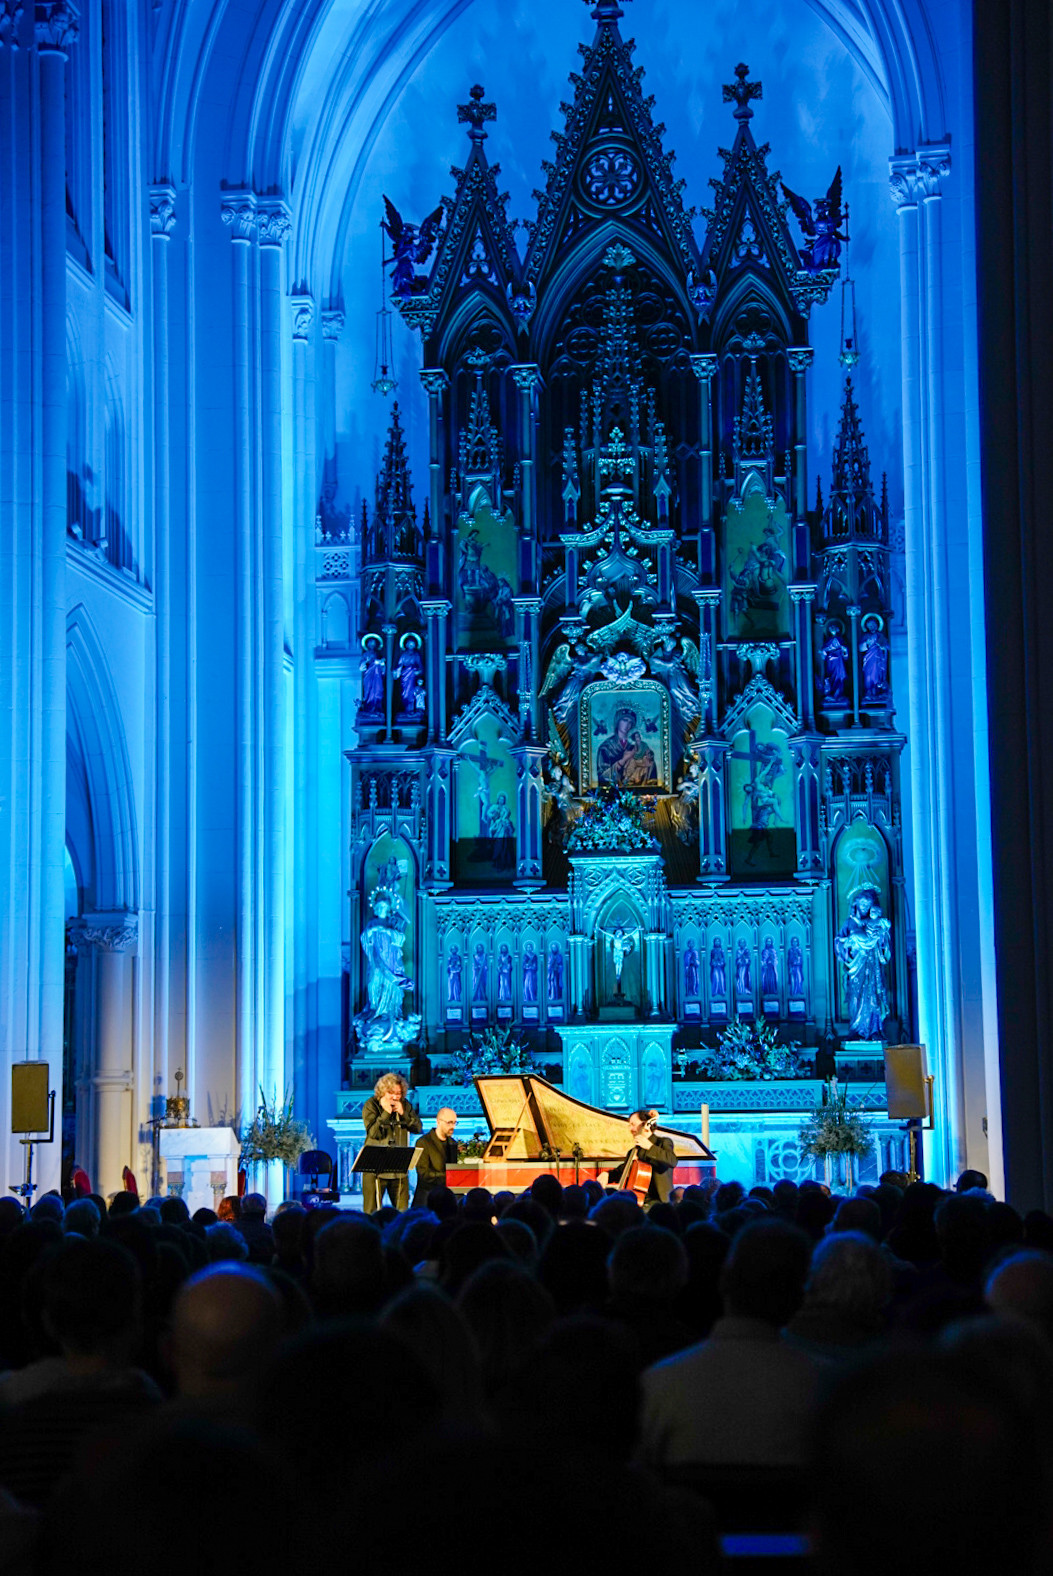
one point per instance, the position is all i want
(206, 1161)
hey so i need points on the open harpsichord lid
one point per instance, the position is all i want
(540, 1115)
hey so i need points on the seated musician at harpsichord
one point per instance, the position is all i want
(389, 1119)
(657, 1152)
(435, 1151)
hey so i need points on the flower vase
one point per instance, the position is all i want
(828, 1171)
(849, 1180)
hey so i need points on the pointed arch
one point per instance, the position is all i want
(94, 722)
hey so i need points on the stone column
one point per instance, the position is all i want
(709, 599)
(704, 365)
(654, 958)
(915, 181)
(803, 599)
(332, 328)
(800, 359)
(529, 760)
(302, 897)
(712, 831)
(808, 792)
(527, 379)
(436, 611)
(438, 819)
(435, 384)
(107, 1139)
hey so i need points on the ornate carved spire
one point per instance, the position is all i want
(852, 509)
(754, 434)
(606, 12)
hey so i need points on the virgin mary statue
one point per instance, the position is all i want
(381, 1022)
(864, 947)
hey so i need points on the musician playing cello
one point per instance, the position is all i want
(656, 1152)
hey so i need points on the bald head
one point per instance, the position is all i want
(1022, 1287)
(226, 1324)
(445, 1122)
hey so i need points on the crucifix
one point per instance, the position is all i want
(474, 114)
(765, 767)
(741, 92)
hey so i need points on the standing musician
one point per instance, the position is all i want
(658, 1153)
(389, 1119)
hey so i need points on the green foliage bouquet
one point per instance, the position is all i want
(275, 1134)
(612, 821)
(495, 1050)
(748, 1050)
(836, 1127)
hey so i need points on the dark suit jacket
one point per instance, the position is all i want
(661, 1157)
(389, 1127)
(435, 1154)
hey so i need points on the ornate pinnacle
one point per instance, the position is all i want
(475, 113)
(741, 92)
(605, 11)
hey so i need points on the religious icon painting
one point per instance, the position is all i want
(484, 828)
(485, 577)
(760, 789)
(625, 736)
(757, 559)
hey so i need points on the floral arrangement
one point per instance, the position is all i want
(836, 1126)
(496, 1050)
(748, 1050)
(612, 821)
(473, 1148)
(275, 1134)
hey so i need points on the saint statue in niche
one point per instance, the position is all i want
(453, 975)
(623, 942)
(691, 970)
(502, 833)
(873, 649)
(743, 971)
(529, 973)
(795, 968)
(410, 674)
(835, 665)
(718, 973)
(625, 759)
(381, 1022)
(769, 969)
(555, 972)
(372, 668)
(504, 973)
(479, 973)
(863, 947)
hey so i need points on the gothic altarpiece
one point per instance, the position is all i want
(616, 581)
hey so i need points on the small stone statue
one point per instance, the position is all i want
(410, 674)
(504, 973)
(381, 1022)
(691, 971)
(529, 973)
(479, 973)
(769, 967)
(718, 973)
(873, 650)
(372, 668)
(795, 968)
(835, 666)
(453, 975)
(743, 973)
(863, 946)
(555, 972)
(622, 943)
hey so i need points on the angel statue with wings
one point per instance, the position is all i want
(678, 667)
(821, 230)
(411, 246)
(568, 672)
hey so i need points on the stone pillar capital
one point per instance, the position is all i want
(239, 213)
(273, 221)
(526, 376)
(800, 358)
(434, 381)
(917, 177)
(10, 21)
(302, 316)
(116, 932)
(703, 365)
(56, 25)
(162, 211)
(332, 323)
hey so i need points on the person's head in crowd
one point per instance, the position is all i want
(227, 1322)
(969, 1180)
(253, 1204)
(706, 1247)
(731, 1221)
(478, 1204)
(349, 1277)
(151, 1216)
(225, 1242)
(11, 1216)
(519, 1240)
(229, 1208)
(647, 1265)
(442, 1201)
(896, 1179)
(667, 1216)
(815, 1211)
(575, 1204)
(585, 1372)
(472, 1244)
(82, 1218)
(530, 1212)
(297, 1312)
(508, 1312)
(850, 1276)
(1021, 1287)
(962, 1232)
(766, 1195)
(123, 1204)
(729, 1195)
(593, 1189)
(888, 1200)
(502, 1199)
(857, 1214)
(439, 1337)
(784, 1193)
(412, 1235)
(175, 1212)
(288, 1231)
(547, 1191)
(91, 1302)
(616, 1213)
(1038, 1230)
(764, 1273)
(49, 1207)
(573, 1268)
(205, 1217)
(957, 1467)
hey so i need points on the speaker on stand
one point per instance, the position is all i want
(32, 1113)
(908, 1091)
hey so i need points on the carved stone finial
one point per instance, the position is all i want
(475, 113)
(605, 12)
(740, 92)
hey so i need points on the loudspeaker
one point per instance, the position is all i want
(29, 1097)
(905, 1082)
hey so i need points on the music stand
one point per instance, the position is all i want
(393, 1160)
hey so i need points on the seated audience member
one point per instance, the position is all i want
(226, 1325)
(175, 1211)
(1005, 1227)
(11, 1216)
(442, 1201)
(913, 1237)
(1021, 1287)
(573, 1268)
(576, 1204)
(785, 1194)
(440, 1338)
(959, 1466)
(815, 1211)
(964, 1238)
(969, 1180)
(389, 1119)
(743, 1396)
(82, 1219)
(122, 1204)
(204, 1217)
(466, 1248)
(530, 1212)
(225, 1242)
(435, 1151)
(508, 1313)
(520, 1241)
(349, 1276)
(259, 1237)
(655, 1151)
(547, 1191)
(897, 1179)
(699, 1305)
(479, 1205)
(1038, 1230)
(857, 1214)
(230, 1209)
(729, 1195)
(615, 1214)
(647, 1271)
(845, 1296)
